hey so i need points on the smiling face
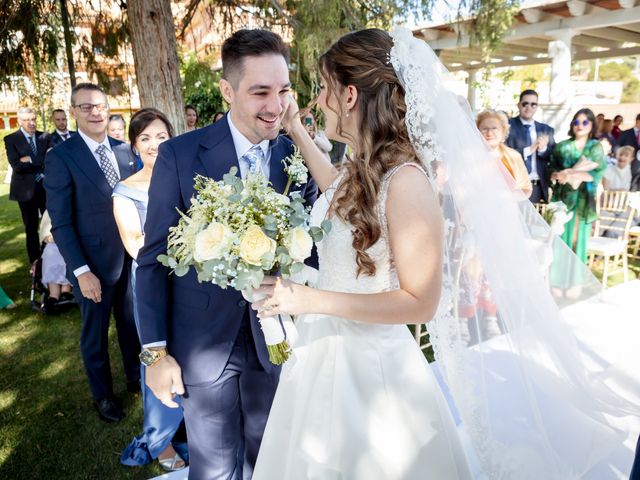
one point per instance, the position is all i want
(492, 131)
(149, 139)
(581, 126)
(258, 96)
(528, 106)
(94, 122)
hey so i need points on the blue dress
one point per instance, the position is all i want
(160, 422)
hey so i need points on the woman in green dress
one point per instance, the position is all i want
(577, 165)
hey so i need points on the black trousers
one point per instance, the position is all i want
(536, 194)
(94, 339)
(31, 211)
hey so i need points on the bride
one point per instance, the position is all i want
(420, 197)
(358, 400)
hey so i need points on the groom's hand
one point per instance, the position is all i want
(164, 378)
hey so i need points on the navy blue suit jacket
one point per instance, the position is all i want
(55, 139)
(23, 178)
(81, 209)
(519, 138)
(199, 321)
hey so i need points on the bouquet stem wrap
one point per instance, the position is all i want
(278, 331)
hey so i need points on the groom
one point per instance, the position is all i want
(198, 339)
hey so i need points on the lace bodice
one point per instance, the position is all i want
(337, 258)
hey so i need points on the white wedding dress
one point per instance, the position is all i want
(357, 401)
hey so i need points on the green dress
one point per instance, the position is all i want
(5, 301)
(580, 201)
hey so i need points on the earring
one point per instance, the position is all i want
(347, 114)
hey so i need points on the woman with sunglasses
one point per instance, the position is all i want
(576, 167)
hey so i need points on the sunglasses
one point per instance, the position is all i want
(526, 104)
(576, 123)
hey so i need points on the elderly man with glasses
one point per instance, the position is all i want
(534, 141)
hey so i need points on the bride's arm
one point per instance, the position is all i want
(416, 236)
(319, 165)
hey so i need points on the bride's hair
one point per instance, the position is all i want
(362, 59)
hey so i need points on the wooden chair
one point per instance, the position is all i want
(634, 242)
(615, 216)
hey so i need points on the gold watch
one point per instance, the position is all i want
(151, 356)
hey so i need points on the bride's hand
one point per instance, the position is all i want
(283, 297)
(291, 116)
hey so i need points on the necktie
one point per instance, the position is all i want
(32, 144)
(65, 136)
(107, 166)
(527, 159)
(638, 139)
(254, 158)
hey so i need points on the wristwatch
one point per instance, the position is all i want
(151, 356)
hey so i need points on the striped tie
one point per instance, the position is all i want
(32, 144)
(107, 167)
(254, 158)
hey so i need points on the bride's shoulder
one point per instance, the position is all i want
(407, 186)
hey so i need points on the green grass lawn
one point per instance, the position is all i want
(48, 427)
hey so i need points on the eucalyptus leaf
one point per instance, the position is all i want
(326, 226)
(181, 270)
(296, 267)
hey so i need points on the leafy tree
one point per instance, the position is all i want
(200, 88)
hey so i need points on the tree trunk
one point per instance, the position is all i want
(155, 54)
(64, 12)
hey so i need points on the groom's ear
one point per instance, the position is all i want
(227, 90)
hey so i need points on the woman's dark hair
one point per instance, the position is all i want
(590, 116)
(249, 43)
(142, 119)
(361, 59)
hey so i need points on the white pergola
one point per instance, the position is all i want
(545, 31)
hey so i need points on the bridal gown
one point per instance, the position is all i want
(357, 401)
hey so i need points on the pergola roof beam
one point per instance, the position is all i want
(588, 41)
(613, 33)
(600, 20)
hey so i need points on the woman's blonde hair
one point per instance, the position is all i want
(361, 59)
(500, 116)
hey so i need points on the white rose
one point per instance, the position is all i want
(212, 242)
(299, 244)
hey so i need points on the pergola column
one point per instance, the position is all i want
(472, 96)
(560, 54)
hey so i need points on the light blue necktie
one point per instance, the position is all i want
(32, 145)
(253, 158)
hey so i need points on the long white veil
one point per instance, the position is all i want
(511, 363)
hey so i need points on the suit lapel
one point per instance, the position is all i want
(217, 153)
(125, 162)
(82, 156)
(279, 150)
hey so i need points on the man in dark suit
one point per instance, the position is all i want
(81, 174)
(61, 132)
(217, 350)
(631, 138)
(534, 141)
(26, 149)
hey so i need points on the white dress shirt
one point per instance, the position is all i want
(27, 137)
(93, 146)
(243, 145)
(618, 179)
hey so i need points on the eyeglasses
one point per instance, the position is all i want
(526, 104)
(489, 129)
(88, 107)
(577, 123)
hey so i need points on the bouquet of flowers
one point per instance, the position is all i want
(556, 215)
(236, 231)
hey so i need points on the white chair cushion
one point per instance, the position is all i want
(606, 246)
(634, 230)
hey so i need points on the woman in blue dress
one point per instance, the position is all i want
(148, 129)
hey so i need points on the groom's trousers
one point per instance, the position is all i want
(226, 418)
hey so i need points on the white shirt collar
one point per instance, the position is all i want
(28, 135)
(242, 144)
(527, 122)
(92, 144)
(62, 133)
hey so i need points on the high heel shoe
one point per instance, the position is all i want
(169, 464)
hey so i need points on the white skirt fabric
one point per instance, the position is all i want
(54, 270)
(358, 402)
